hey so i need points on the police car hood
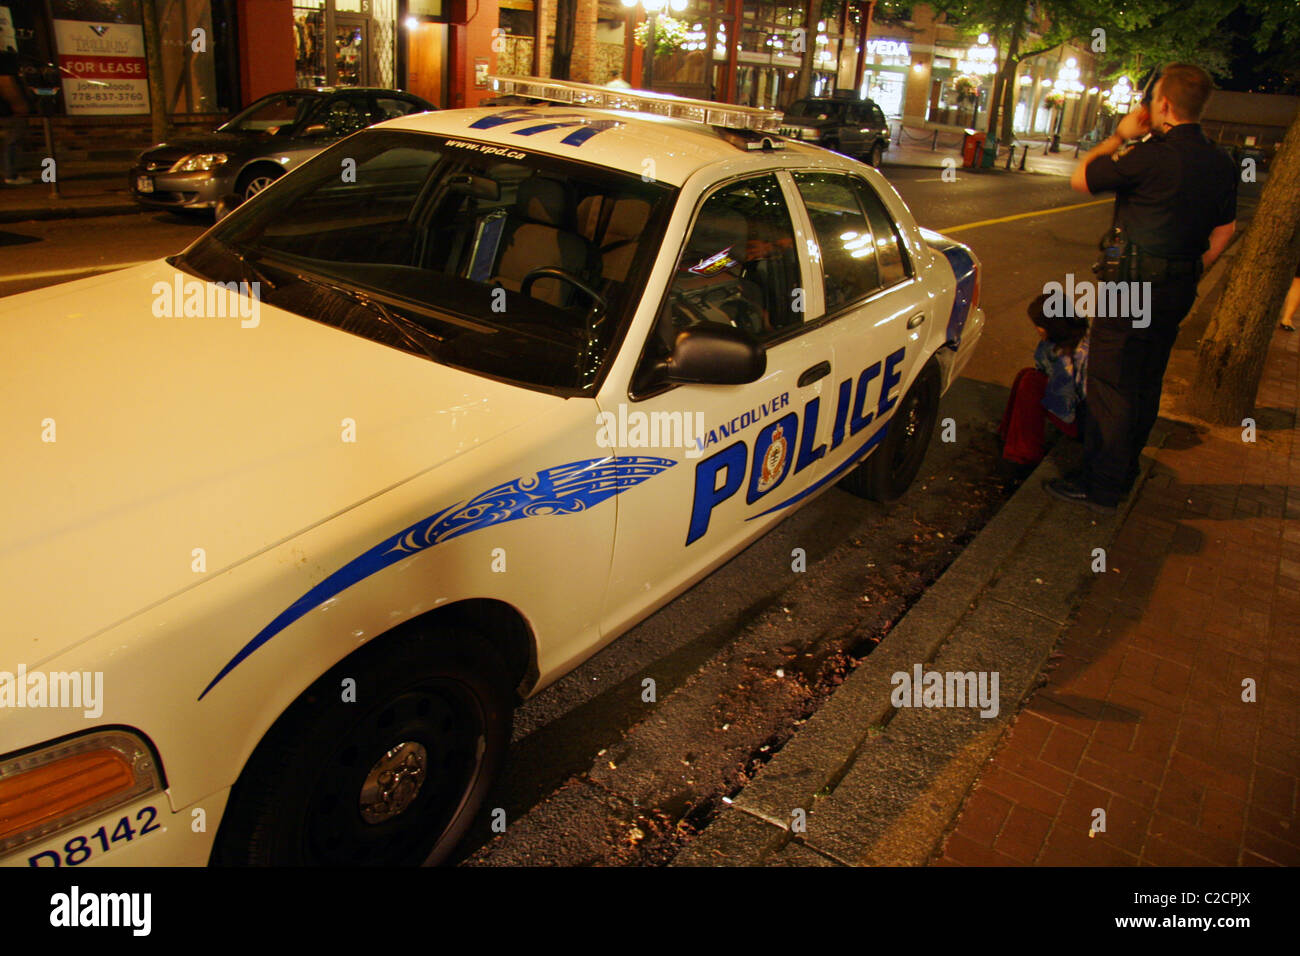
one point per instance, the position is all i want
(130, 440)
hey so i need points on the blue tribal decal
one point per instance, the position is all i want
(562, 490)
(587, 127)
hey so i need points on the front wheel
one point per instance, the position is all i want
(391, 773)
(892, 467)
(258, 179)
(877, 155)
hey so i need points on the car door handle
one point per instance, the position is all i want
(820, 370)
(916, 320)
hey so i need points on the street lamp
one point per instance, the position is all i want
(1068, 85)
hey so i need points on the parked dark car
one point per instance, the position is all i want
(259, 145)
(841, 123)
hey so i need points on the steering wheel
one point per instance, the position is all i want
(551, 272)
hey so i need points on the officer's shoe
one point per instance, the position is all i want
(1071, 490)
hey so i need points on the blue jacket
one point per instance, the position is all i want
(1066, 377)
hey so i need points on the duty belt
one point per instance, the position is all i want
(1144, 266)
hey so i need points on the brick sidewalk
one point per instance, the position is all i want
(1142, 713)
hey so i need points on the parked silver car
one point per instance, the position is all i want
(259, 145)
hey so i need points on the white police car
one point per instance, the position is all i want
(481, 389)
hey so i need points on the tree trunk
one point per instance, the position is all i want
(153, 58)
(1230, 360)
(1008, 77)
(565, 12)
(995, 97)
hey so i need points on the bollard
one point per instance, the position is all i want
(934, 142)
(1023, 156)
(1011, 151)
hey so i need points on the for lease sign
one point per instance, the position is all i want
(102, 62)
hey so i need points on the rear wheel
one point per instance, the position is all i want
(892, 467)
(391, 778)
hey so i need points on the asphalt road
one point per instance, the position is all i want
(600, 774)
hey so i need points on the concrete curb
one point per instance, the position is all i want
(43, 213)
(879, 784)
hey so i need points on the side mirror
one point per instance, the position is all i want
(711, 353)
(315, 129)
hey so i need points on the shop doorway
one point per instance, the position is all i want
(426, 62)
(351, 46)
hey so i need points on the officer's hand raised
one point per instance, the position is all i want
(1135, 125)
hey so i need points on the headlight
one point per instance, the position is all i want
(44, 790)
(200, 161)
(809, 133)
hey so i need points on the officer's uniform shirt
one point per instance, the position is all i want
(1171, 190)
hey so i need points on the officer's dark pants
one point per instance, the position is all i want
(1126, 368)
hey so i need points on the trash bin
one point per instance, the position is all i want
(970, 150)
(990, 152)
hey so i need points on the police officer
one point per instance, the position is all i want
(1176, 206)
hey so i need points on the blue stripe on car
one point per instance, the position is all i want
(564, 489)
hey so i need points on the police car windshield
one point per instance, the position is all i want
(518, 266)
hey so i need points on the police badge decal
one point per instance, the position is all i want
(773, 461)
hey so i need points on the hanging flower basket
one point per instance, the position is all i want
(1054, 100)
(965, 86)
(670, 34)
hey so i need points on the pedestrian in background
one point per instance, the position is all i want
(1175, 212)
(13, 118)
(1292, 301)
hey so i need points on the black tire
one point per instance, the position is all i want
(877, 155)
(301, 800)
(892, 467)
(253, 181)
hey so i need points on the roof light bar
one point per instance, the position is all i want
(639, 101)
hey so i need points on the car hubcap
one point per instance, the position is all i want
(256, 186)
(397, 778)
(394, 782)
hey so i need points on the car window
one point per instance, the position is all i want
(524, 267)
(345, 114)
(739, 267)
(890, 251)
(390, 107)
(858, 115)
(849, 266)
(877, 116)
(274, 113)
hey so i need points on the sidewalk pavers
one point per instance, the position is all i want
(1143, 715)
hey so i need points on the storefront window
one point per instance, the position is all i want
(309, 42)
(189, 76)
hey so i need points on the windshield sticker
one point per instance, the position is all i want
(713, 264)
(489, 150)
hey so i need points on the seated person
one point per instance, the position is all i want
(1054, 390)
